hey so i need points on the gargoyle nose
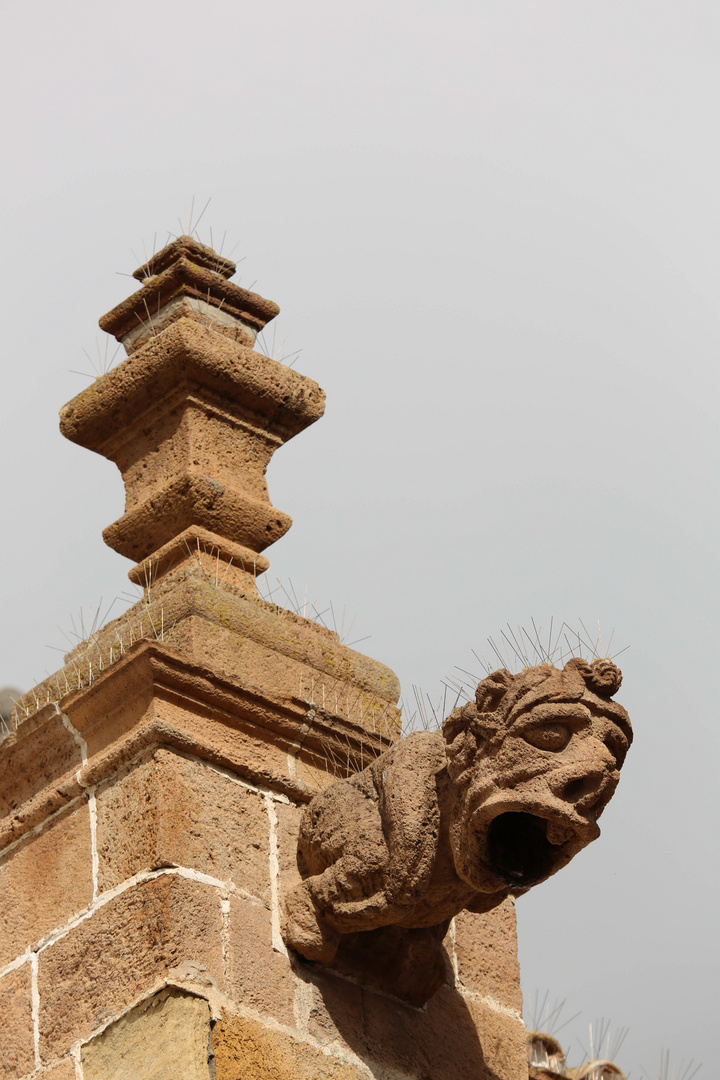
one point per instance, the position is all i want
(586, 786)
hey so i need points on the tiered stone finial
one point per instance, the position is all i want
(192, 417)
(188, 279)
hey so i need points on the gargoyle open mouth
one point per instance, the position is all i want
(519, 849)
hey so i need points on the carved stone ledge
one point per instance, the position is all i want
(153, 696)
(197, 551)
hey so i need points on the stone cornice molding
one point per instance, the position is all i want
(123, 715)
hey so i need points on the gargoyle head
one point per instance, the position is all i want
(534, 761)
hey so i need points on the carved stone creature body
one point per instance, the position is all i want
(501, 799)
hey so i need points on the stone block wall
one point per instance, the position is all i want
(141, 936)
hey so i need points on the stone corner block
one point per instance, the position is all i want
(486, 954)
(17, 1052)
(245, 1049)
(105, 963)
(258, 976)
(174, 811)
(59, 860)
(165, 1037)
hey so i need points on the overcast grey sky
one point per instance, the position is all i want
(493, 230)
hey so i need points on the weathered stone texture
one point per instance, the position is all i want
(106, 713)
(502, 1038)
(486, 953)
(165, 1038)
(245, 1050)
(452, 1038)
(172, 811)
(186, 493)
(257, 975)
(63, 1070)
(108, 961)
(17, 1054)
(288, 822)
(39, 752)
(316, 777)
(250, 753)
(335, 1010)
(285, 654)
(45, 880)
(484, 1044)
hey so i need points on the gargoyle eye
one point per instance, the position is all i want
(553, 736)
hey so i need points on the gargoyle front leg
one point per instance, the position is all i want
(344, 898)
(303, 927)
(343, 857)
(366, 849)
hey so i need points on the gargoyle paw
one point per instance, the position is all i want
(305, 931)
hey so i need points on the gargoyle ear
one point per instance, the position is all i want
(602, 677)
(605, 679)
(492, 690)
(461, 743)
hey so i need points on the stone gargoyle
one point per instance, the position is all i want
(502, 798)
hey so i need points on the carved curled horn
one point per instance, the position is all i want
(492, 690)
(602, 677)
(464, 731)
(459, 720)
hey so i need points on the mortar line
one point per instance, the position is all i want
(258, 789)
(225, 936)
(149, 992)
(77, 737)
(37, 829)
(302, 1005)
(277, 941)
(492, 1003)
(335, 1050)
(76, 1052)
(35, 1007)
(453, 954)
(94, 856)
(55, 935)
(276, 796)
(92, 805)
